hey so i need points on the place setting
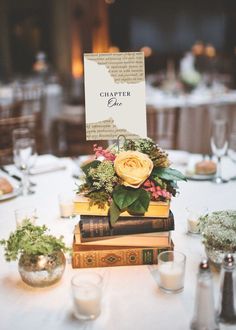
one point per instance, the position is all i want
(209, 168)
(17, 180)
(24, 156)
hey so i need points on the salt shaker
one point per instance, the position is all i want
(204, 317)
(226, 311)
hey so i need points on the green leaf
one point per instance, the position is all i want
(168, 174)
(141, 204)
(114, 213)
(31, 240)
(124, 197)
(92, 164)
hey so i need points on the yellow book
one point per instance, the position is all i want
(155, 239)
(155, 209)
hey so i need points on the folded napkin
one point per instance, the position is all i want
(47, 163)
(178, 157)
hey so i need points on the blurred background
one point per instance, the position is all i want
(190, 63)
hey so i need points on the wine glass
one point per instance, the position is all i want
(24, 153)
(219, 145)
(232, 147)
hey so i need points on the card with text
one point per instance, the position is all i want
(115, 95)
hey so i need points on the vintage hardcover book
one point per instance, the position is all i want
(157, 239)
(103, 256)
(99, 226)
(155, 209)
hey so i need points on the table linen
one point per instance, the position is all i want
(132, 299)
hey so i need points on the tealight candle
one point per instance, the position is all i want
(171, 269)
(192, 223)
(193, 218)
(66, 206)
(171, 276)
(87, 301)
(87, 295)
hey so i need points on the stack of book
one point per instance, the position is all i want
(133, 240)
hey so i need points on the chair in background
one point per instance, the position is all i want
(14, 117)
(69, 133)
(163, 126)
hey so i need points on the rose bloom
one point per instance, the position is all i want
(133, 167)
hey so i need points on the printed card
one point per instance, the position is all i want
(115, 95)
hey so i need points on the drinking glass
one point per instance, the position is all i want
(24, 153)
(26, 213)
(219, 145)
(232, 147)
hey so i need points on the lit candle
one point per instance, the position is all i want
(171, 276)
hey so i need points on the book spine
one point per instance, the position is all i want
(95, 226)
(117, 257)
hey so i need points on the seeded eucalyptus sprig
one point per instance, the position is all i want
(31, 240)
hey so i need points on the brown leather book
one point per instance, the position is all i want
(156, 239)
(92, 226)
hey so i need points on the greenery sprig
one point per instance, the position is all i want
(31, 240)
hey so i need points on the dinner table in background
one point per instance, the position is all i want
(197, 109)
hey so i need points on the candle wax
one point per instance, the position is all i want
(87, 302)
(171, 276)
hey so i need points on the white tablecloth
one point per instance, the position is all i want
(132, 299)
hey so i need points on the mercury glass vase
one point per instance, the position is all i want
(42, 270)
(216, 256)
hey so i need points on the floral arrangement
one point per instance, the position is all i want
(219, 230)
(128, 178)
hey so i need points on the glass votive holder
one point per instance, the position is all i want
(87, 295)
(66, 206)
(171, 271)
(26, 213)
(193, 219)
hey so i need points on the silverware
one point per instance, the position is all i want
(16, 177)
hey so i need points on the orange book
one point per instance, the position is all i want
(109, 256)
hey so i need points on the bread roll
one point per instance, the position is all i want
(5, 186)
(205, 167)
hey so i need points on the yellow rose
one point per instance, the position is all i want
(133, 167)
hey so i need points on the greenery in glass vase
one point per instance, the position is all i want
(127, 178)
(31, 240)
(219, 230)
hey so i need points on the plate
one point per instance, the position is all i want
(16, 192)
(200, 177)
